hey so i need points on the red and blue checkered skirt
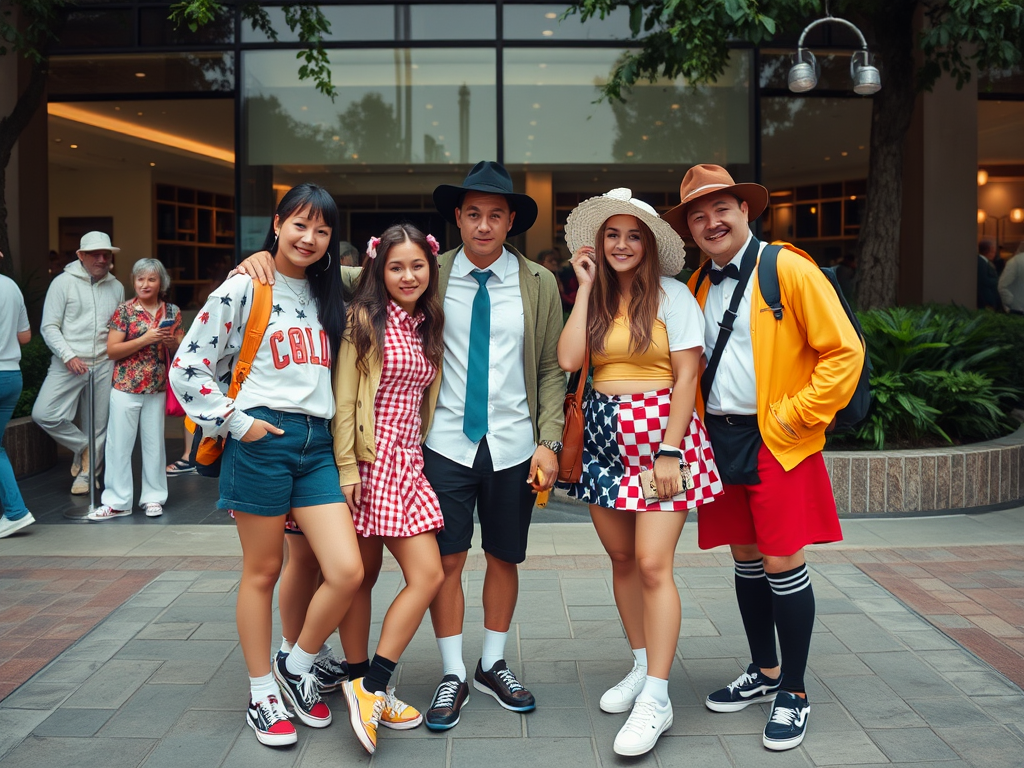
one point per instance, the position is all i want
(621, 435)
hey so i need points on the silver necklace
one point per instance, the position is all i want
(304, 297)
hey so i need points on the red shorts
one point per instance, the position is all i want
(785, 512)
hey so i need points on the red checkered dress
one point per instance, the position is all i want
(397, 500)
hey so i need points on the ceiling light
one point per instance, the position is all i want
(547, 33)
(1017, 215)
(674, 106)
(550, 15)
(140, 74)
(74, 146)
(982, 177)
(982, 215)
(152, 165)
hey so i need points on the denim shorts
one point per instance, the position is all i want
(272, 475)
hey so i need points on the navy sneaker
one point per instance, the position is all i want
(499, 682)
(788, 722)
(751, 687)
(446, 707)
(330, 671)
(303, 694)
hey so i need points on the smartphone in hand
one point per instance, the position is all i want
(167, 323)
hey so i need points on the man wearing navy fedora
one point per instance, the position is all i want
(497, 426)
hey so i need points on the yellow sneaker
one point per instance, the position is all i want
(364, 710)
(398, 715)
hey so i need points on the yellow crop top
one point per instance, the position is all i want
(618, 363)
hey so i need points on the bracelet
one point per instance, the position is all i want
(670, 452)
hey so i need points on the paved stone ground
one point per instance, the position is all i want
(161, 681)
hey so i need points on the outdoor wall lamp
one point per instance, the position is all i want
(803, 75)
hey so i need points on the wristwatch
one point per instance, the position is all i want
(671, 453)
(555, 446)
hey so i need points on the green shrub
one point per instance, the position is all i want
(941, 374)
(35, 361)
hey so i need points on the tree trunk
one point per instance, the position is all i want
(891, 113)
(10, 129)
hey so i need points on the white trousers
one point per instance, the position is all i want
(62, 394)
(130, 415)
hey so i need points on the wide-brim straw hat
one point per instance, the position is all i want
(96, 241)
(710, 179)
(492, 179)
(585, 221)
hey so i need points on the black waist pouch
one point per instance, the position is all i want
(736, 441)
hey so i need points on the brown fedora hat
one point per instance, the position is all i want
(708, 179)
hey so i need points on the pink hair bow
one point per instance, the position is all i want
(435, 247)
(371, 247)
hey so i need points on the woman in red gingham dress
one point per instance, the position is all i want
(386, 385)
(396, 498)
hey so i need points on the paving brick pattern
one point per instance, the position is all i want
(159, 680)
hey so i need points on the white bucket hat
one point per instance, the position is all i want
(96, 241)
(585, 221)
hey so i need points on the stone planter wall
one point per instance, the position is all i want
(29, 448)
(928, 480)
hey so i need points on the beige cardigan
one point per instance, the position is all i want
(354, 396)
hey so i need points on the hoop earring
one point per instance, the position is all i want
(328, 263)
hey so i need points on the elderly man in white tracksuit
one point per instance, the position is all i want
(79, 304)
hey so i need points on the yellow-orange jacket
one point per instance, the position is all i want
(806, 366)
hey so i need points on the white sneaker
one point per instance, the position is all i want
(106, 512)
(152, 509)
(7, 527)
(81, 485)
(621, 697)
(646, 723)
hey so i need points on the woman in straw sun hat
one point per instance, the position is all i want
(646, 336)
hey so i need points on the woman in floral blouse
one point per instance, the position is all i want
(144, 334)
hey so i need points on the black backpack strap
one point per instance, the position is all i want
(768, 279)
(725, 326)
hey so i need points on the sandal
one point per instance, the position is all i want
(152, 509)
(181, 467)
(106, 512)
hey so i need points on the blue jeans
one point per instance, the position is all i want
(10, 497)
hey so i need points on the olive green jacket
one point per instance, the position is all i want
(542, 319)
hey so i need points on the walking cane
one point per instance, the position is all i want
(75, 513)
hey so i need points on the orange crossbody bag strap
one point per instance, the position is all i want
(259, 318)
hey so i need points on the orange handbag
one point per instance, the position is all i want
(570, 459)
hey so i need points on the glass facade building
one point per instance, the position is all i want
(209, 128)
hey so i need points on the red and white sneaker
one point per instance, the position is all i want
(269, 721)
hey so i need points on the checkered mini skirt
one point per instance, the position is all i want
(621, 435)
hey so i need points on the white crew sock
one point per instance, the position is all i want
(640, 657)
(286, 647)
(494, 648)
(451, 656)
(657, 689)
(262, 687)
(299, 661)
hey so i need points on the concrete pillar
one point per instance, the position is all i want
(541, 235)
(938, 248)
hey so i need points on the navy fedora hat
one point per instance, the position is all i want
(490, 178)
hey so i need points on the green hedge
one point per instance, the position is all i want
(942, 374)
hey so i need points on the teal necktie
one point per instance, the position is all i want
(474, 419)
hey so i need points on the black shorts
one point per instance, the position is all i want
(503, 501)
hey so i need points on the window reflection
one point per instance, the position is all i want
(551, 117)
(541, 22)
(150, 73)
(385, 21)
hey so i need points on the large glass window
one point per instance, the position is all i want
(1001, 157)
(542, 22)
(815, 163)
(551, 117)
(147, 73)
(385, 21)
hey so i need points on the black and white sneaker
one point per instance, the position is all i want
(751, 687)
(302, 692)
(446, 707)
(330, 671)
(788, 722)
(501, 683)
(269, 721)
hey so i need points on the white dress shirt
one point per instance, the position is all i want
(509, 428)
(734, 390)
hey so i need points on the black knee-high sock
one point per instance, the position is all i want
(357, 669)
(793, 600)
(380, 673)
(754, 595)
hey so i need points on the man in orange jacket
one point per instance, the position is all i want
(777, 386)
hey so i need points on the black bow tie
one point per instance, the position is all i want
(718, 275)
